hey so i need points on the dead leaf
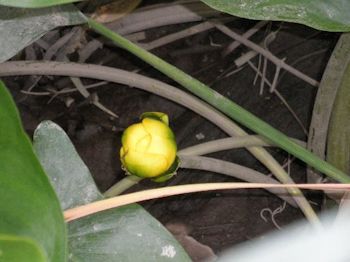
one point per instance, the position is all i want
(114, 11)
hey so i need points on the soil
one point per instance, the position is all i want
(222, 219)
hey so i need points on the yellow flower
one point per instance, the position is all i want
(149, 147)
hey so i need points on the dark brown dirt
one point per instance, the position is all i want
(222, 219)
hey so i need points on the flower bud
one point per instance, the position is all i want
(149, 148)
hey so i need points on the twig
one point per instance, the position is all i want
(257, 71)
(263, 76)
(243, 59)
(95, 101)
(230, 48)
(91, 208)
(302, 58)
(64, 91)
(161, 16)
(89, 49)
(59, 44)
(275, 79)
(267, 54)
(278, 94)
(181, 34)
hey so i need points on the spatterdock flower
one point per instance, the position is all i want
(149, 147)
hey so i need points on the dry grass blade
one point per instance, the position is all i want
(118, 201)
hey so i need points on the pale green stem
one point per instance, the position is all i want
(122, 185)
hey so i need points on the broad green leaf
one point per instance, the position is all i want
(35, 3)
(64, 166)
(122, 234)
(28, 204)
(127, 234)
(21, 27)
(325, 15)
(20, 249)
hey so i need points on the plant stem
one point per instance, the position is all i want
(122, 185)
(213, 165)
(237, 171)
(225, 105)
(162, 89)
(97, 206)
(226, 144)
(223, 144)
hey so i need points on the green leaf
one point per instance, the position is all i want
(20, 249)
(320, 14)
(325, 125)
(28, 204)
(21, 27)
(338, 140)
(68, 173)
(123, 234)
(35, 3)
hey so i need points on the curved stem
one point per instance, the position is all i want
(228, 143)
(122, 185)
(213, 165)
(97, 206)
(234, 170)
(161, 89)
(223, 144)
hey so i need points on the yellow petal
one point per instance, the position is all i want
(121, 152)
(132, 135)
(145, 165)
(157, 128)
(143, 144)
(163, 147)
(156, 115)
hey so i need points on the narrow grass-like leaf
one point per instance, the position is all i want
(338, 142)
(332, 96)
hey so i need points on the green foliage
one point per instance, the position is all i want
(127, 234)
(122, 234)
(20, 249)
(35, 3)
(338, 140)
(320, 14)
(69, 175)
(21, 27)
(28, 204)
